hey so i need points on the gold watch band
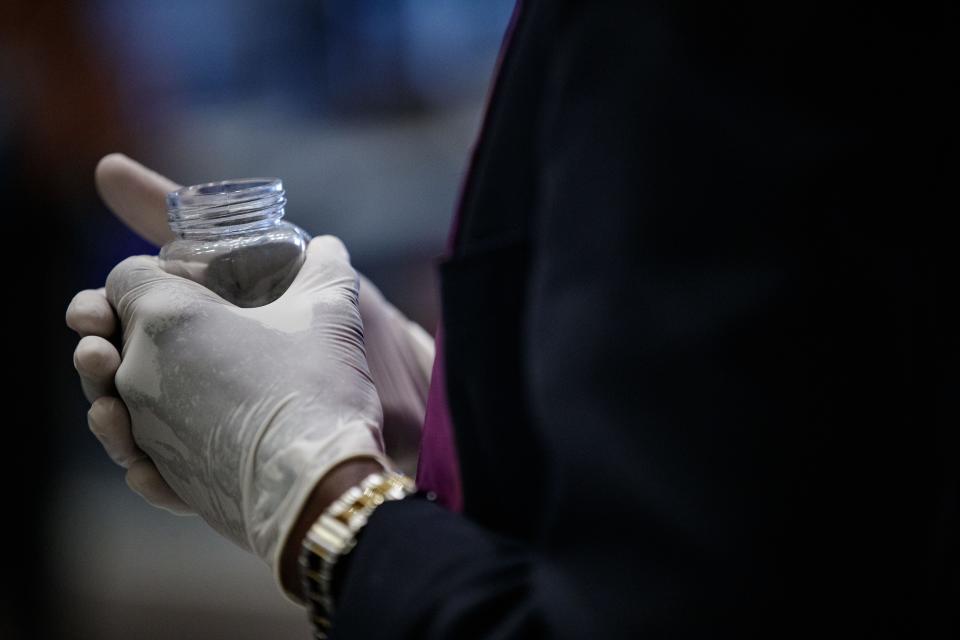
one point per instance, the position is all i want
(334, 534)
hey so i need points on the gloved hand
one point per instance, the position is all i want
(243, 410)
(399, 352)
(400, 355)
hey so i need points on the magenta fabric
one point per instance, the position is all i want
(438, 470)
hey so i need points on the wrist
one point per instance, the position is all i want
(332, 538)
(338, 480)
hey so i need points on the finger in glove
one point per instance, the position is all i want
(97, 361)
(144, 479)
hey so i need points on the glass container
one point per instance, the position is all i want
(232, 239)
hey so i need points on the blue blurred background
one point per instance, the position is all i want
(366, 108)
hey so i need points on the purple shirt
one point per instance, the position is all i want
(438, 469)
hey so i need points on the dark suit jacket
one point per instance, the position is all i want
(701, 337)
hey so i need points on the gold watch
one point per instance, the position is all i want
(334, 534)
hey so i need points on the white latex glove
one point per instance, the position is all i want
(400, 353)
(244, 410)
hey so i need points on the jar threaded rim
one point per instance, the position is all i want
(226, 207)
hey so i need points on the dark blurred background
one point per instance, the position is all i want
(366, 108)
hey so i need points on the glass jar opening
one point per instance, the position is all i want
(226, 207)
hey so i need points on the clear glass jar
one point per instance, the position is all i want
(232, 239)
